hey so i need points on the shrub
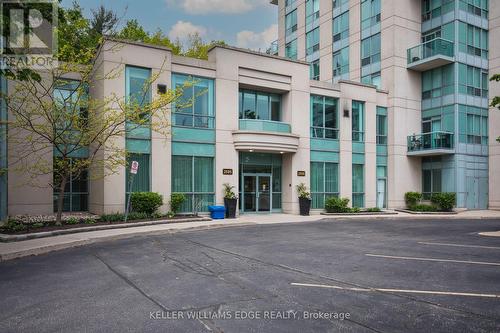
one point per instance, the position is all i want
(412, 198)
(72, 220)
(14, 226)
(176, 201)
(146, 202)
(373, 210)
(133, 216)
(354, 210)
(445, 201)
(117, 217)
(337, 205)
(423, 208)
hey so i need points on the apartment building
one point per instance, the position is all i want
(434, 59)
(364, 99)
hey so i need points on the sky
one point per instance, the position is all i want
(243, 23)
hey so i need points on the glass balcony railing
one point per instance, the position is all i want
(437, 46)
(264, 126)
(430, 141)
(273, 49)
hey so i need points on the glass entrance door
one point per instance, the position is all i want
(257, 195)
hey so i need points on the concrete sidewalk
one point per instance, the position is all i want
(43, 245)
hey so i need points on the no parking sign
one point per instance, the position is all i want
(134, 167)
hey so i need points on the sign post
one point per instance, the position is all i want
(134, 167)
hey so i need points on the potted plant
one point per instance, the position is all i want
(304, 199)
(230, 201)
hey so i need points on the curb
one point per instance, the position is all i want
(424, 213)
(77, 243)
(360, 214)
(6, 238)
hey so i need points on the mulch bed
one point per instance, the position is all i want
(84, 225)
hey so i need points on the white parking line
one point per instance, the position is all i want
(461, 245)
(407, 291)
(434, 259)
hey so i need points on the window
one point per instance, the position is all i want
(358, 121)
(472, 40)
(314, 70)
(472, 81)
(289, 2)
(259, 105)
(381, 125)
(194, 177)
(70, 98)
(312, 11)
(291, 50)
(476, 7)
(473, 125)
(324, 117)
(341, 62)
(370, 13)
(373, 79)
(196, 106)
(76, 191)
(435, 8)
(431, 182)
(291, 23)
(338, 3)
(438, 82)
(142, 180)
(138, 86)
(358, 185)
(324, 183)
(341, 27)
(312, 41)
(370, 50)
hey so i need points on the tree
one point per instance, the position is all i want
(196, 48)
(103, 21)
(495, 102)
(56, 116)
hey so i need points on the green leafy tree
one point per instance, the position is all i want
(196, 48)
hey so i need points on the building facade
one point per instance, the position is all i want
(365, 99)
(434, 58)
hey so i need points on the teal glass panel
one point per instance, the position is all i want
(358, 158)
(138, 131)
(381, 160)
(324, 156)
(324, 117)
(203, 174)
(196, 135)
(358, 123)
(291, 50)
(381, 171)
(182, 174)
(264, 126)
(325, 145)
(142, 179)
(381, 149)
(137, 85)
(341, 61)
(358, 184)
(437, 46)
(260, 159)
(312, 41)
(259, 105)
(358, 147)
(138, 146)
(193, 149)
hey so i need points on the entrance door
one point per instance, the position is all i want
(257, 196)
(381, 193)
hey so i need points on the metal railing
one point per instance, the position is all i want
(428, 141)
(437, 46)
(273, 48)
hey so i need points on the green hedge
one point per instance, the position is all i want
(146, 202)
(412, 198)
(445, 201)
(176, 201)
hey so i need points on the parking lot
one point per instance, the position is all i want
(328, 276)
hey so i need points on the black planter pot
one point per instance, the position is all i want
(230, 205)
(305, 206)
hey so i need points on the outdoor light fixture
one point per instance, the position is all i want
(162, 89)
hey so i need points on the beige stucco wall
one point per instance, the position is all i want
(494, 115)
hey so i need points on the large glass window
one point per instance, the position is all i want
(324, 117)
(341, 27)
(472, 40)
(312, 41)
(291, 50)
(137, 85)
(370, 13)
(291, 23)
(472, 81)
(194, 177)
(142, 180)
(76, 192)
(341, 62)
(435, 8)
(312, 11)
(358, 185)
(196, 106)
(373, 79)
(473, 124)
(338, 3)
(476, 7)
(381, 126)
(358, 121)
(431, 182)
(259, 105)
(314, 70)
(324, 183)
(289, 2)
(438, 82)
(370, 50)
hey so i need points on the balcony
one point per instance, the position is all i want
(265, 136)
(435, 53)
(273, 49)
(431, 144)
